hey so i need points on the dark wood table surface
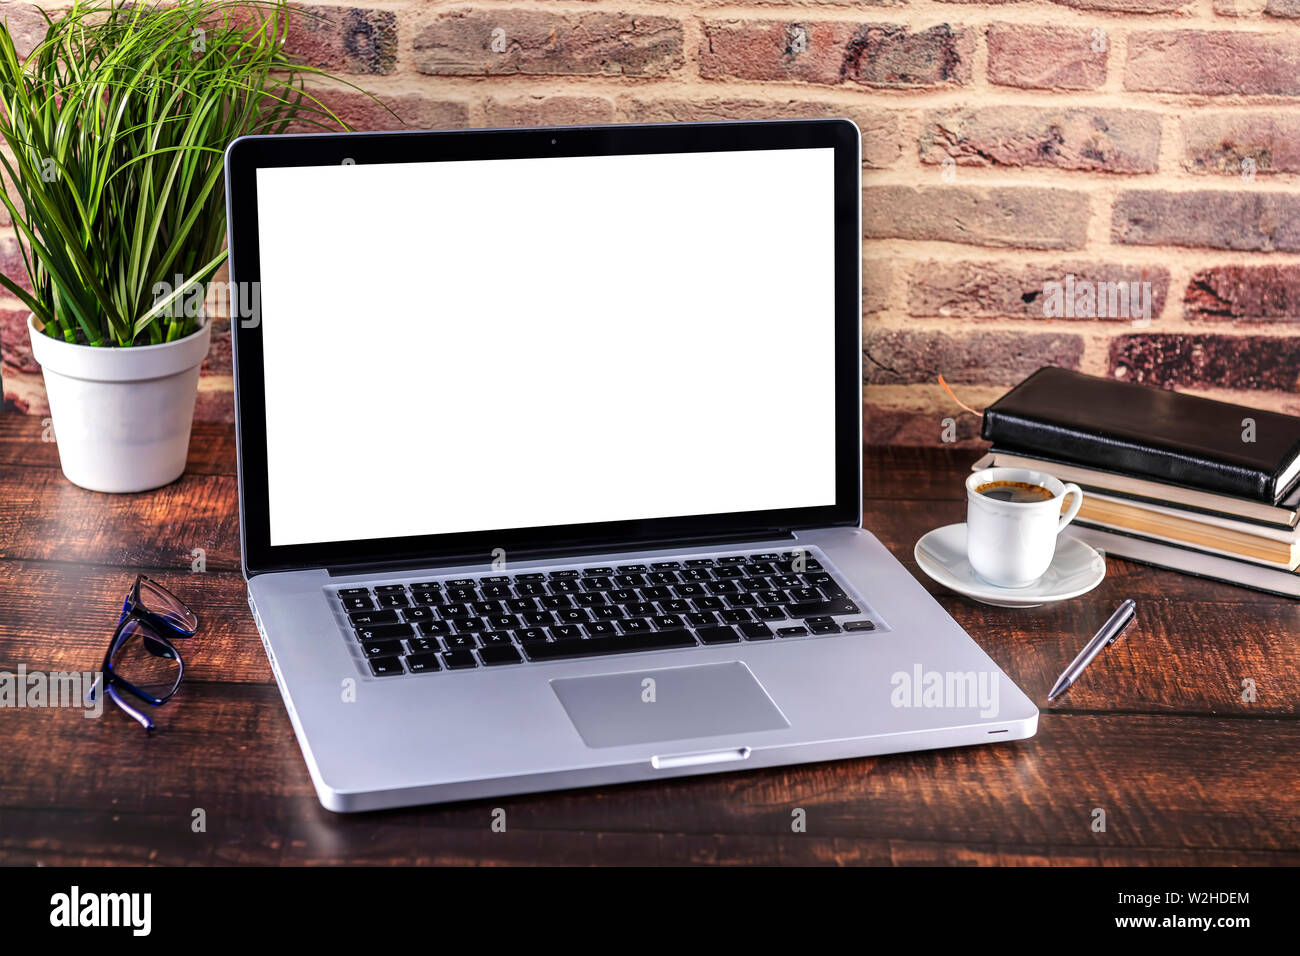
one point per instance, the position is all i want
(1156, 734)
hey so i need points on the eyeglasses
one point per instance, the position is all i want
(141, 659)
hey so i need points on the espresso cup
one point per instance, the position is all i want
(1010, 543)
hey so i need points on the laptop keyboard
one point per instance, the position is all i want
(494, 620)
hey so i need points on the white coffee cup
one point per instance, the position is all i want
(1010, 544)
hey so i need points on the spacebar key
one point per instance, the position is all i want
(626, 644)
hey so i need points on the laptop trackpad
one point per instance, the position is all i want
(676, 703)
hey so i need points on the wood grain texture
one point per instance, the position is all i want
(1156, 733)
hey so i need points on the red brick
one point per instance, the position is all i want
(219, 358)
(1107, 140)
(1128, 6)
(392, 112)
(885, 55)
(1025, 217)
(15, 342)
(907, 356)
(25, 25)
(985, 290)
(881, 138)
(538, 42)
(1242, 219)
(1220, 142)
(344, 39)
(1172, 360)
(1045, 58)
(1265, 293)
(540, 110)
(1289, 9)
(877, 278)
(12, 264)
(1213, 61)
(876, 55)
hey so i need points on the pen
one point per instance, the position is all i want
(1108, 634)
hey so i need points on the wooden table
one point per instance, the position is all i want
(1156, 734)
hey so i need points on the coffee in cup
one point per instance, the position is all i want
(1013, 516)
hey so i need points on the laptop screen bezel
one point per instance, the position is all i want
(248, 154)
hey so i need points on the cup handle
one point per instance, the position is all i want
(1070, 489)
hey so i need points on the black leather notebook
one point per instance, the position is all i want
(1149, 432)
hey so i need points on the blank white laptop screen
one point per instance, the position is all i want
(498, 344)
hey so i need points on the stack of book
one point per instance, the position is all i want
(1173, 480)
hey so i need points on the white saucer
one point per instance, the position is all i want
(1076, 569)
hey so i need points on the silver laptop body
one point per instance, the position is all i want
(453, 661)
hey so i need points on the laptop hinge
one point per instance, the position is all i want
(532, 554)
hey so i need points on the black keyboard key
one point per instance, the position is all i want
(556, 602)
(484, 608)
(666, 622)
(529, 635)
(699, 563)
(381, 648)
(696, 574)
(630, 580)
(736, 616)
(634, 625)
(663, 577)
(538, 618)
(624, 644)
(769, 613)
(608, 612)
(631, 569)
(502, 622)
(432, 598)
(602, 629)
(859, 626)
(454, 642)
(690, 589)
(427, 586)
(383, 632)
(530, 577)
(564, 631)
(358, 602)
(573, 615)
(639, 609)
(422, 663)
(390, 589)
(756, 632)
(500, 654)
(461, 583)
(709, 604)
(733, 559)
(675, 607)
(393, 600)
(494, 637)
(741, 600)
(459, 659)
(461, 594)
(495, 579)
(822, 628)
(822, 608)
(530, 588)
(564, 574)
(597, 572)
(422, 645)
(373, 617)
(589, 600)
(722, 587)
(565, 587)
(521, 605)
(385, 666)
(597, 584)
(794, 631)
(665, 565)
(497, 591)
(434, 628)
(418, 613)
(701, 618)
(718, 635)
(468, 625)
(622, 596)
(353, 592)
(656, 592)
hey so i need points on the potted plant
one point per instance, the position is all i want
(116, 127)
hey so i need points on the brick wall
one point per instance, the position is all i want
(1007, 145)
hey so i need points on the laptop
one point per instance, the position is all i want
(550, 462)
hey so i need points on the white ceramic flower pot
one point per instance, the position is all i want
(121, 415)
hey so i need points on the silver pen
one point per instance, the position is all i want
(1108, 634)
